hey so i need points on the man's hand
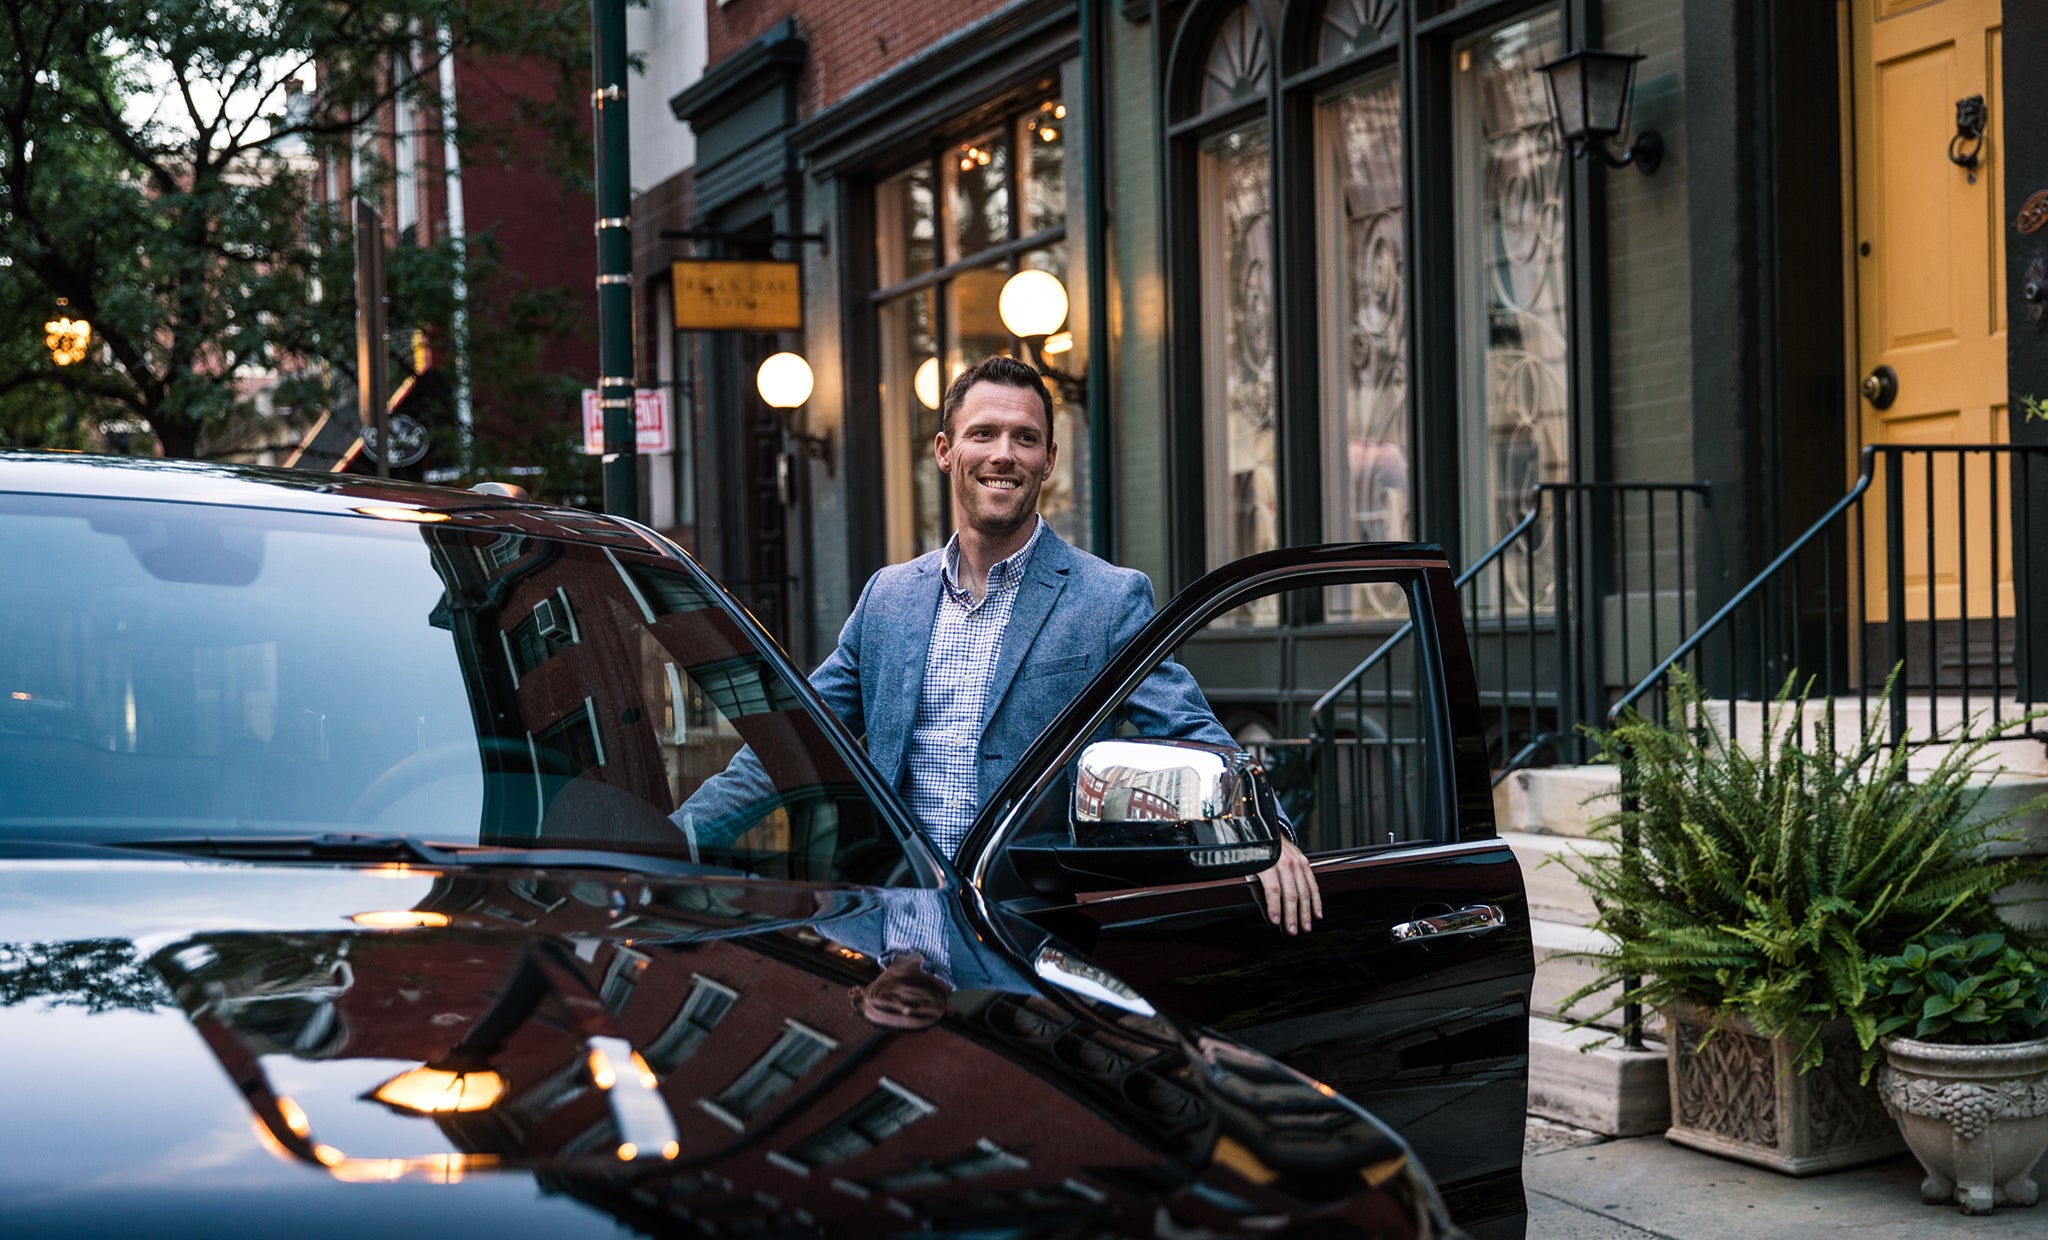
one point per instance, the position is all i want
(1292, 898)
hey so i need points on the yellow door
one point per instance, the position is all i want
(1930, 290)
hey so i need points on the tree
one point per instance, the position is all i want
(153, 173)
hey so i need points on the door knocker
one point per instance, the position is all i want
(1971, 115)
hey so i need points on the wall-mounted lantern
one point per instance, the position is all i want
(1589, 97)
(784, 381)
(1033, 304)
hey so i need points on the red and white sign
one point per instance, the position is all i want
(650, 420)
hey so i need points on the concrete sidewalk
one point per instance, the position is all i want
(1586, 1187)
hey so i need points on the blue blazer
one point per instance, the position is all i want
(1073, 611)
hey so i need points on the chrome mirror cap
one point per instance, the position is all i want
(1136, 793)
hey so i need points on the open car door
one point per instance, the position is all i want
(1345, 671)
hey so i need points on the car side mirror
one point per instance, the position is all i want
(1147, 813)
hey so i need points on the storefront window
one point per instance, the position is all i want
(1237, 253)
(1001, 205)
(1513, 314)
(1366, 476)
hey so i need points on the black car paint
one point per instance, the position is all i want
(120, 1124)
(1483, 984)
(1431, 1036)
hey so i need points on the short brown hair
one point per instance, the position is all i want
(1003, 371)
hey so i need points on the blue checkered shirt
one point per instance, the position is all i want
(943, 775)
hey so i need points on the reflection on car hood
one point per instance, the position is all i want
(196, 1045)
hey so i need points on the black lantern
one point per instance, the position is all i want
(1589, 94)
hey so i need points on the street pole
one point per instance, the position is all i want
(615, 371)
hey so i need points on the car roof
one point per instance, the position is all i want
(289, 490)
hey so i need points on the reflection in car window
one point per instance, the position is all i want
(173, 670)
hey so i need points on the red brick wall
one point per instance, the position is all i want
(852, 41)
(544, 231)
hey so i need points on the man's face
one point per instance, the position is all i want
(998, 455)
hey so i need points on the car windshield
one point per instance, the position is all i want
(190, 672)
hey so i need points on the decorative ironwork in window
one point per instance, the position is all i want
(1237, 330)
(1366, 476)
(1514, 319)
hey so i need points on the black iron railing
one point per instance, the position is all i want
(1579, 595)
(1923, 566)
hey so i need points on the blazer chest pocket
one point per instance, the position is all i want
(1055, 667)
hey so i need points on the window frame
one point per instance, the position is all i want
(896, 441)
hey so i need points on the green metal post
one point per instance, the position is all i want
(614, 257)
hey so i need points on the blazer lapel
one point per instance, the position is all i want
(1044, 578)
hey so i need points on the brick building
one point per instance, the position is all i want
(1334, 272)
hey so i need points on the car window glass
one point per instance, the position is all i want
(181, 670)
(1341, 715)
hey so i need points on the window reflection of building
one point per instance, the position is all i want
(884, 1125)
(799, 1049)
(950, 229)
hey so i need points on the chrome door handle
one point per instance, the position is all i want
(1478, 919)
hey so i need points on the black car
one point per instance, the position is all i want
(345, 890)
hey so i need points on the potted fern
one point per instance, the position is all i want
(1752, 886)
(1964, 1027)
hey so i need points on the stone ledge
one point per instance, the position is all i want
(1554, 895)
(1558, 800)
(1608, 1089)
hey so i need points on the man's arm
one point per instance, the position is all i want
(1169, 703)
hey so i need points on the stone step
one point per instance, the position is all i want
(1557, 800)
(1561, 968)
(1554, 895)
(1925, 717)
(1586, 1078)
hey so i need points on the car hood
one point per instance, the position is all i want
(187, 1046)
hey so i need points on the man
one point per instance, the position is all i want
(953, 663)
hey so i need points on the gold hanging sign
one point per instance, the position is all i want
(715, 294)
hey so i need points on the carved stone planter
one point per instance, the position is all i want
(1975, 1116)
(1739, 1095)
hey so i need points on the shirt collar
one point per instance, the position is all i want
(1002, 572)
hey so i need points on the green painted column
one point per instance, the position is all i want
(615, 373)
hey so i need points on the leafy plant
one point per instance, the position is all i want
(1961, 990)
(1762, 882)
(2035, 408)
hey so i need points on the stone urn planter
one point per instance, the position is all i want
(1740, 1095)
(1975, 1116)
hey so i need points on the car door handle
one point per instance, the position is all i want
(1476, 919)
